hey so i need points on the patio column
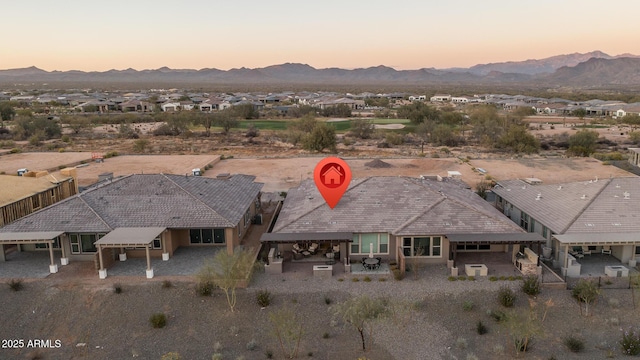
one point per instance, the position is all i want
(566, 256)
(64, 260)
(102, 273)
(149, 269)
(53, 268)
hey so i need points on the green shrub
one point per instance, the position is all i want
(327, 300)
(14, 151)
(498, 316)
(340, 279)
(493, 278)
(325, 335)
(512, 278)
(171, 356)
(531, 285)
(263, 297)
(216, 356)
(382, 279)
(167, 284)
(117, 288)
(452, 278)
(16, 285)
(502, 277)
(158, 320)
(398, 274)
(204, 288)
(506, 296)
(110, 154)
(573, 344)
(65, 138)
(355, 279)
(471, 278)
(630, 342)
(252, 345)
(523, 344)
(366, 279)
(268, 354)
(481, 328)
(467, 305)
(462, 278)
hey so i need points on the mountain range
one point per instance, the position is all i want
(593, 69)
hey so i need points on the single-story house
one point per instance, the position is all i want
(141, 215)
(429, 220)
(599, 215)
(634, 156)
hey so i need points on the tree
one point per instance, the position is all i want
(6, 112)
(206, 120)
(298, 129)
(362, 128)
(585, 292)
(288, 330)
(26, 127)
(632, 120)
(140, 145)
(78, 124)
(322, 136)
(340, 110)
(418, 112)
(443, 135)
(228, 271)
(361, 312)
(580, 113)
(487, 124)
(226, 120)
(244, 111)
(517, 139)
(583, 143)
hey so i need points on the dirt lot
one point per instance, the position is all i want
(282, 174)
(40, 161)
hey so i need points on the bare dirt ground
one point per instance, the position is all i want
(282, 174)
(554, 125)
(10, 163)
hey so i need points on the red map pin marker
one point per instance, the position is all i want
(332, 176)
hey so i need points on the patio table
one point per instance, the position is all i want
(371, 263)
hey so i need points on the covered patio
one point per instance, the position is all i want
(283, 248)
(593, 254)
(128, 237)
(34, 237)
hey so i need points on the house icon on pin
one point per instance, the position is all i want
(333, 176)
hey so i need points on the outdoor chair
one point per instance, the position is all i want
(586, 251)
(297, 249)
(606, 249)
(313, 248)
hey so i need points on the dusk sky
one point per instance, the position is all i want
(143, 34)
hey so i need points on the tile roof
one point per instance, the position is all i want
(579, 207)
(397, 205)
(156, 200)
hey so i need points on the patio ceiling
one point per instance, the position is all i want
(130, 237)
(515, 238)
(599, 239)
(310, 236)
(29, 237)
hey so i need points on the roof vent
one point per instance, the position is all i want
(583, 197)
(617, 186)
(627, 196)
(560, 187)
(539, 196)
(533, 181)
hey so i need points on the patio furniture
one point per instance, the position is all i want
(616, 271)
(585, 250)
(606, 249)
(371, 263)
(313, 248)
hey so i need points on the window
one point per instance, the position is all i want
(532, 226)
(545, 231)
(524, 220)
(422, 246)
(157, 244)
(206, 236)
(35, 202)
(473, 247)
(364, 243)
(84, 243)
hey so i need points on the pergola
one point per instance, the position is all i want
(595, 239)
(34, 237)
(129, 237)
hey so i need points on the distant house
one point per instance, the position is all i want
(417, 98)
(634, 159)
(136, 105)
(440, 98)
(142, 215)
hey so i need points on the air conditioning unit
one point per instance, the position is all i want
(257, 219)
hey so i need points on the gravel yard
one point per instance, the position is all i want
(436, 319)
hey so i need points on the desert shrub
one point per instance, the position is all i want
(327, 300)
(573, 344)
(394, 139)
(167, 284)
(462, 278)
(268, 354)
(340, 279)
(310, 354)
(263, 298)
(461, 343)
(398, 274)
(158, 320)
(65, 138)
(325, 335)
(204, 288)
(481, 328)
(366, 279)
(467, 305)
(522, 344)
(16, 285)
(511, 278)
(117, 288)
(14, 151)
(452, 278)
(506, 296)
(217, 347)
(630, 342)
(493, 278)
(355, 279)
(171, 356)
(110, 154)
(497, 315)
(382, 279)
(531, 285)
(252, 345)
(471, 278)
(216, 356)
